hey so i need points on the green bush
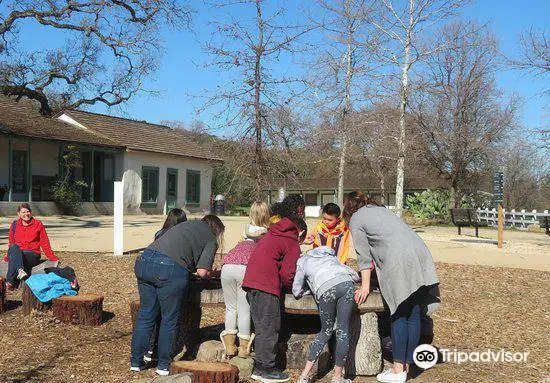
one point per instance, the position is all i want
(429, 204)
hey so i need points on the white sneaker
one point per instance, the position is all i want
(162, 372)
(135, 369)
(22, 274)
(389, 376)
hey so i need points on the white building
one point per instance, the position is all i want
(160, 168)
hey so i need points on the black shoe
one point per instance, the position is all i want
(274, 376)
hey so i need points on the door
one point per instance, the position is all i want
(171, 188)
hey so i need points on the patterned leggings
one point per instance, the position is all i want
(335, 304)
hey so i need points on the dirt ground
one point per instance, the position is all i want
(483, 308)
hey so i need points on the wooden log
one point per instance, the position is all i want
(207, 372)
(85, 309)
(2, 294)
(134, 308)
(31, 302)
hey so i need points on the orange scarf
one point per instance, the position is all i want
(336, 238)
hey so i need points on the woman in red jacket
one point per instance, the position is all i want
(26, 236)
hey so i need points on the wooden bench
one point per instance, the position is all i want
(544, 222)
(365, 356)
(466, 218)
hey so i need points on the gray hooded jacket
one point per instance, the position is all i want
(318, 271)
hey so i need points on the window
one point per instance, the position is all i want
(193, 187)
(310, 199)
(149, 186)
(19, 169)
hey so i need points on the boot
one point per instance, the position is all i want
(228, 338)
(245, 344)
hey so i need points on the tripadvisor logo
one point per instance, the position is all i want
(426, 356)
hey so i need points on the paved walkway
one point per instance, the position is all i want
(95, 234)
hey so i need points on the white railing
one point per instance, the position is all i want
(517, 219)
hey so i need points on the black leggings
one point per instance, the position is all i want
(335, 304)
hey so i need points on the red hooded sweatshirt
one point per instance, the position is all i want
(31, 237)
(272, 264)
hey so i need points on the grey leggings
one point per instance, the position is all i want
(335, 304)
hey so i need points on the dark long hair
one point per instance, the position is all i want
(174, 217)
(355, 201)
(217, 227)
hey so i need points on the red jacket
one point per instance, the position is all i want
(31, 237)
(272, 264)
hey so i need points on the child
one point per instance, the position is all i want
(271, 269)
(331, 232)
(332, 284)
(237, 310)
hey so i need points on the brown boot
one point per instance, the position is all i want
(228, 338)
(245, 344)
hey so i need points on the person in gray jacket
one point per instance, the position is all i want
(406, 275)
(333, 285)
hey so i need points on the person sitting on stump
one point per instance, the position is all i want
(26, 237)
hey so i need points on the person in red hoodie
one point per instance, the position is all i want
(270, 272)
(27, 236)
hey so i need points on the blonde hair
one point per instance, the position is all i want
(259, 214)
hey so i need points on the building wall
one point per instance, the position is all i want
(135, 160)
(44, 161)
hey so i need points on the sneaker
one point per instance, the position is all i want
(22, 274)
(340, 380)
(256, 374)
(389, 376)
(162, 372)
(303, 379)
(274, 376)
(136, 368)
(149, 357)
(9, 286)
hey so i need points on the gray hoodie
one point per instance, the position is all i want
(319, 270)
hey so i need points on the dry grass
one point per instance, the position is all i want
(483, 308)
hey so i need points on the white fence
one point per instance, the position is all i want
(517, 219)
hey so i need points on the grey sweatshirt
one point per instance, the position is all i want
(318, 271)
(402, 260)
(191, 243)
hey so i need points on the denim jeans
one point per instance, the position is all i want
(162, 285)
(20, 259)
(405, 330)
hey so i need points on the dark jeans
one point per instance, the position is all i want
(336, 304)
(405, 330)
(162, 285)
(265, 310)
(20, 259)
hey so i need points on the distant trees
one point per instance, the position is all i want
(109, 48)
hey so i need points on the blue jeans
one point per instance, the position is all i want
(162, 285)
(405, 330)
(20, 259)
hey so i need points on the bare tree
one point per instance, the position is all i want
(403, 22)
(247, 50)
(461, 113)
(110, 47)
(342, 69)
(535, 55)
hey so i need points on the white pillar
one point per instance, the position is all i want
(118, 219)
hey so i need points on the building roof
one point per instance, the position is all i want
(21, 118)
(140, 135)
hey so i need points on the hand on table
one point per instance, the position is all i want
(361, 295)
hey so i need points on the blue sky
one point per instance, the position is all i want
(182, 76)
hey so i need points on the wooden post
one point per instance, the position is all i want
(500, 225)
(118, 218)
(207, 372)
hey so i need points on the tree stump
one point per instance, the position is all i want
(31, 302)
(2, 294)
(365, 354)
(86, 309)
(134, 308)
(207, 372)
